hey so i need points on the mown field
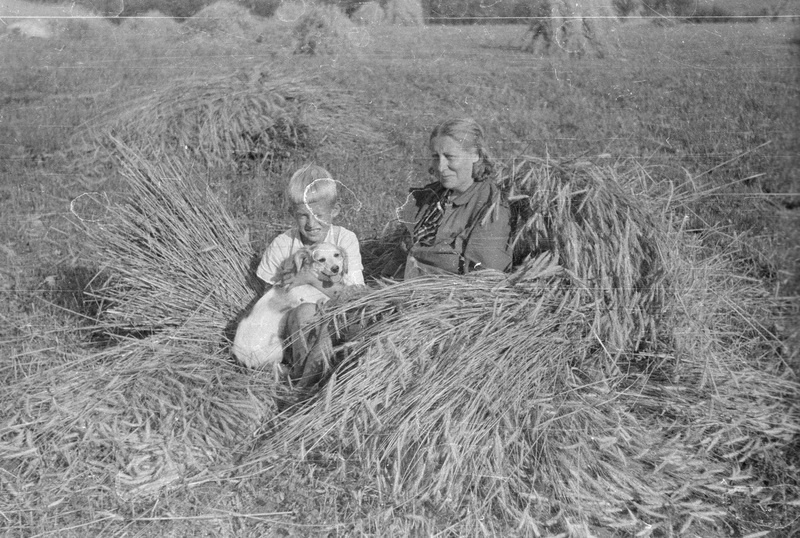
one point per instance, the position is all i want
(711, 110)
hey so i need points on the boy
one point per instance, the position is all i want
(313, 203)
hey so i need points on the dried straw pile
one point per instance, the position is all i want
(290, 11)
(405, 13)
(153, 23)
(223, 19)
(100, 428)
(84, 430)
(607, 240)
(527, 404)
(323, 29)
(368, 14)
(49, 20)
(574, 27)
(214, 122)
(87, 430)
(251, 117)
(175, 256)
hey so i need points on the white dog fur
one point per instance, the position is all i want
(313, 275)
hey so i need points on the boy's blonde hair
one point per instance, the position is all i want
(311, 184)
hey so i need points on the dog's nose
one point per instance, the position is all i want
(334, 269)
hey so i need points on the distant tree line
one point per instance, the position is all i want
(473, 11)
(436, 11)
(481, 11)
(179, 9)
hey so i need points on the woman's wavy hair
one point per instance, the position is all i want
(469, 134)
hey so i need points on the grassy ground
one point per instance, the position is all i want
(712, 106)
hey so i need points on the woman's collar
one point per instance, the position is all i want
(464, 197)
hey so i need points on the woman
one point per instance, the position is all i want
(461, 222)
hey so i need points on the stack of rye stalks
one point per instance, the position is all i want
(173, 258)
(607, 241)
(621, 380)
(223, 19)
(254, 117)
(85, 428)
(323, 29)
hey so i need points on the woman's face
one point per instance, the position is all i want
(452, 164)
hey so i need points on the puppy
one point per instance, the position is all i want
(313, 275)
(322, 266)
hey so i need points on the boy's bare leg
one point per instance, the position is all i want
(300, 333)
(311, 343)
(317, 358)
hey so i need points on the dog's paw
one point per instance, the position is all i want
(293, 280)
(287, 280)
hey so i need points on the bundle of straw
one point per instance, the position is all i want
(93, 429)
(222, 19)
(132, 421)
(368, 13)
(601, 234)
(176, 258)
(210, 121)
(256, 116)
(405, 12)
(153, 23)
(574, 27)
(323, 29)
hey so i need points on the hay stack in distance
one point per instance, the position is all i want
(323, 29)
(45, 20)
(38, 28)
(223, 121)
(290, 11)
(222, 18)
(368, 14)
(573, 27)
(153, 23)
(250, 120)
(405, 13)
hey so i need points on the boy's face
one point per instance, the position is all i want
(314, 220)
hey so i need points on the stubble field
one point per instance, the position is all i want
(712, 109)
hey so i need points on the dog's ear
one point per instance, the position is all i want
(301, 259)
(286, 269)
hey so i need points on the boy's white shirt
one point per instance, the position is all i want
(285, 245)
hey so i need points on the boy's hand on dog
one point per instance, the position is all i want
(291, 280)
